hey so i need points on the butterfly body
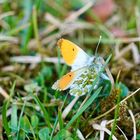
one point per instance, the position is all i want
(84, 69)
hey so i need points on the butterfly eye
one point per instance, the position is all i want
(73, 49)
(69, 75)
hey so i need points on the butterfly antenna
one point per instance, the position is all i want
(98, 46)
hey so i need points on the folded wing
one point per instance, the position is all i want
(67, 80)
(73, 55)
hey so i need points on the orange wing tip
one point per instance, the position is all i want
(59, 42)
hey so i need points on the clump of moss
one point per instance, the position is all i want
(110, 101)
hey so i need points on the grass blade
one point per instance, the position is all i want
(35, 27)
(46, 115)
(14, 119)
(61, 123)
(85, 106)
(5, 121)
(4, 110)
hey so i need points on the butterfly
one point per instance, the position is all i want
(84, 69)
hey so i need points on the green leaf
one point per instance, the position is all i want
(21, 135)
(124, 89)
(14, 123)
(106, 84)
(138, 136)
(25, 124)
(44, 134)
(34, 121)
(63, 135)
(26, 128)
